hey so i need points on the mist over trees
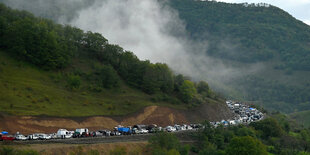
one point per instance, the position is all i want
(51, 46)
(253, 53)
(243, 35)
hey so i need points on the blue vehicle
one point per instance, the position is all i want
(124, 131)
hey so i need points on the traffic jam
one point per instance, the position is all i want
(244, 114)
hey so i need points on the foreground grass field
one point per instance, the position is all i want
(27, 90)
(136, 148)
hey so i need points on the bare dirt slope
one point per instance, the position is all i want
(162, 116)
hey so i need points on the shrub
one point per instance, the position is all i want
(73, 81)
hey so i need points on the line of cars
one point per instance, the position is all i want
(18, 136)
(243, 115)
(84, 132)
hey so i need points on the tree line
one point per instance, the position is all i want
(255, 34)
(273, 135)
(51, 46)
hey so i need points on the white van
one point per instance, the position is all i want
(63, 133)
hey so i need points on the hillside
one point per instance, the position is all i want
(302, 117)
(265, 49)
(242, 35)
(55, 70)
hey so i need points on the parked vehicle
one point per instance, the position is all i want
(33, 137)
(115, 133)
(7, 138)
(135, 131)
(170, 129)
(124, 131)
(63, 133)
(144, 131)
(82, 132)
(20, 137)
(43, 136)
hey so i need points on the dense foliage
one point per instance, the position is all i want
(258, 33)
(283, 97)
(54, 47)
(261, 138)
(243, 34)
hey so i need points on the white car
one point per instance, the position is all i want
(136, 131)
(189, 127)
(43, 136)
(171, 129)
(143, 131)
(33, 137)
(53, 136)
(20, 137)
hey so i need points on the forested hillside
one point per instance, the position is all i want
(238, 35)
(245, 34)
(47, 66)
(260, 33)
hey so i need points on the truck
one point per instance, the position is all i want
(124, 130)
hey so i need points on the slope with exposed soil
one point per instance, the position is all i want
(162, 116)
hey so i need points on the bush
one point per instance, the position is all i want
(73, 81)
(246, 146)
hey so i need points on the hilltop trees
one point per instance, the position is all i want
(52, 46)
(35, 42)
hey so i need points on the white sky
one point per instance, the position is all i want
(300, 9)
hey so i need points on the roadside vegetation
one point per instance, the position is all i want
(52, 69)
(273, 135)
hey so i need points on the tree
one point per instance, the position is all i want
(187, 91)
(246, 146)
(158, 77)
(94, 42)
(202, 87)
(108, 77)
(34, 41)
(269, 127)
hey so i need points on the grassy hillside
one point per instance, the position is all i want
(52, 69)
(241, 36)
(27, 90)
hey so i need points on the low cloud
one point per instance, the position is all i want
(149, 28)
(154, 31)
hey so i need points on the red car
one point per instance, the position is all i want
(7, 137)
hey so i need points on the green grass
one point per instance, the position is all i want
(302, 117)
(27, 90)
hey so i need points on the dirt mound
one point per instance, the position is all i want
(162, 116)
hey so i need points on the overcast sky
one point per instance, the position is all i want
(300, 9)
